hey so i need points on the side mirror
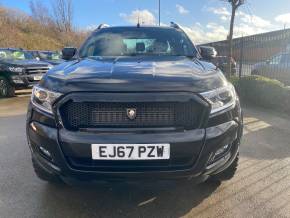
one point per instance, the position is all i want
(206, 53)
(68, 53)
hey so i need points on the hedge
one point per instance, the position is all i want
(264, 92)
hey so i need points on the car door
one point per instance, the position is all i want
(284, 68)
(272, 67)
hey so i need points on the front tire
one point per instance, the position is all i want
(228, 173)
(44, 175)
(6, 89)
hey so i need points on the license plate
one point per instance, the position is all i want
(38, 77)
(130, 151)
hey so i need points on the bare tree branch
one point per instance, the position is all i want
(40, 12)
(63, 14)
(235, 4)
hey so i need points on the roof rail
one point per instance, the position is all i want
(103, 25)
(175, 25)
(9, 48)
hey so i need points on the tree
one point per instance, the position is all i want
(235, 4)
(40, 12)
(63, 14)
(32, 31)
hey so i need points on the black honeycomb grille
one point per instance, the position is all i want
(76, 115)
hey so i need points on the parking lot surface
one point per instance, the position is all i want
(261, 187)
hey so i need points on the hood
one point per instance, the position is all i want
(53, 62)
(24, 63)
(259, 64)
(127, 74)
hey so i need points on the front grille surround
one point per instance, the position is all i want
(88, 114)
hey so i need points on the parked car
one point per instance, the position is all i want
(18, 69)
(51, 57)
(134, 103)
(222, 63)
(277, 67)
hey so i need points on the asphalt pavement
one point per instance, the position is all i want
(261, 187)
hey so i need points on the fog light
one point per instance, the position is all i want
(218, 154)
(17, 79)
(220, 161)
(45, 152)
(221, 150)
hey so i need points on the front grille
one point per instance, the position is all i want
(36, 70)
(77, 115)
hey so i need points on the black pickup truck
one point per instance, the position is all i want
(134, 103)
(18, 69)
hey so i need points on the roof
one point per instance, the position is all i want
(41, 51)
(135, 27)
(12, 49)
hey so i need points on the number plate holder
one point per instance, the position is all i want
(130, 151)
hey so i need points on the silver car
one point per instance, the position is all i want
(277, 67)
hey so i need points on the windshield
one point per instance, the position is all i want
(49, 55)
(15, 55)
(138, 41)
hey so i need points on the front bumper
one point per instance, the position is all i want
(202, 144)
(26, 80)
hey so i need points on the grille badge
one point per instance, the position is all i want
(131, 113)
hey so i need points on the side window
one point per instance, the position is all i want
(276, 60)
(18, 55)
(55, 56)
(285, 60)
(90, 49)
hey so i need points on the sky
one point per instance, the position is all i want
(203, 20)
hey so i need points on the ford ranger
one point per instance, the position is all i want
(134, 103)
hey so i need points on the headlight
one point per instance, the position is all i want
(15, 69)
(17, 79)
(43, 98)
(221, 99)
